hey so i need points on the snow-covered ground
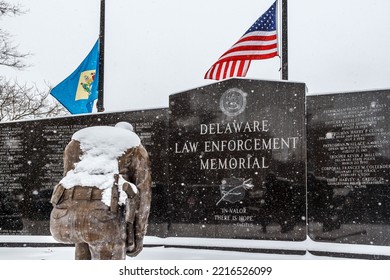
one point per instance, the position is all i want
(169, 254)
(199, 249)
(149, 253)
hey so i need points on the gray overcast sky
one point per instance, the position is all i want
(155, 48)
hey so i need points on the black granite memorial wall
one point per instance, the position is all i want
(349, 167)
(237, 161)
(31, 163)
(229, 161)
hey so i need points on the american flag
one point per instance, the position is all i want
(259, 42)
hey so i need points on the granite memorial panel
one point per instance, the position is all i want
(349, 167)
(31, 163)
(237, 161)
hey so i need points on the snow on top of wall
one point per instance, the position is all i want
(101, 146)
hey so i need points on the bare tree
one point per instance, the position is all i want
(25, 102)
(17, 101)
(9, 55)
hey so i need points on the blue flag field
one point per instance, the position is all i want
(78, 91)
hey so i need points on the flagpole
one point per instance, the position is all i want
(100, 101)
(284, 41)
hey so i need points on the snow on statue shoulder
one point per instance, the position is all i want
(101, 146)
(114, 139)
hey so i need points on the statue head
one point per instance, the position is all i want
(125, 125)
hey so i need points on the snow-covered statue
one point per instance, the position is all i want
(103, 202)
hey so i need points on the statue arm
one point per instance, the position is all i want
(72, 155)
(143, 181)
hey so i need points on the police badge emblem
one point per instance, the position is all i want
(233, 102)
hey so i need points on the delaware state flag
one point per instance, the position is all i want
(78, 91)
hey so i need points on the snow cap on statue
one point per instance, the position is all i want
(125, 125)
